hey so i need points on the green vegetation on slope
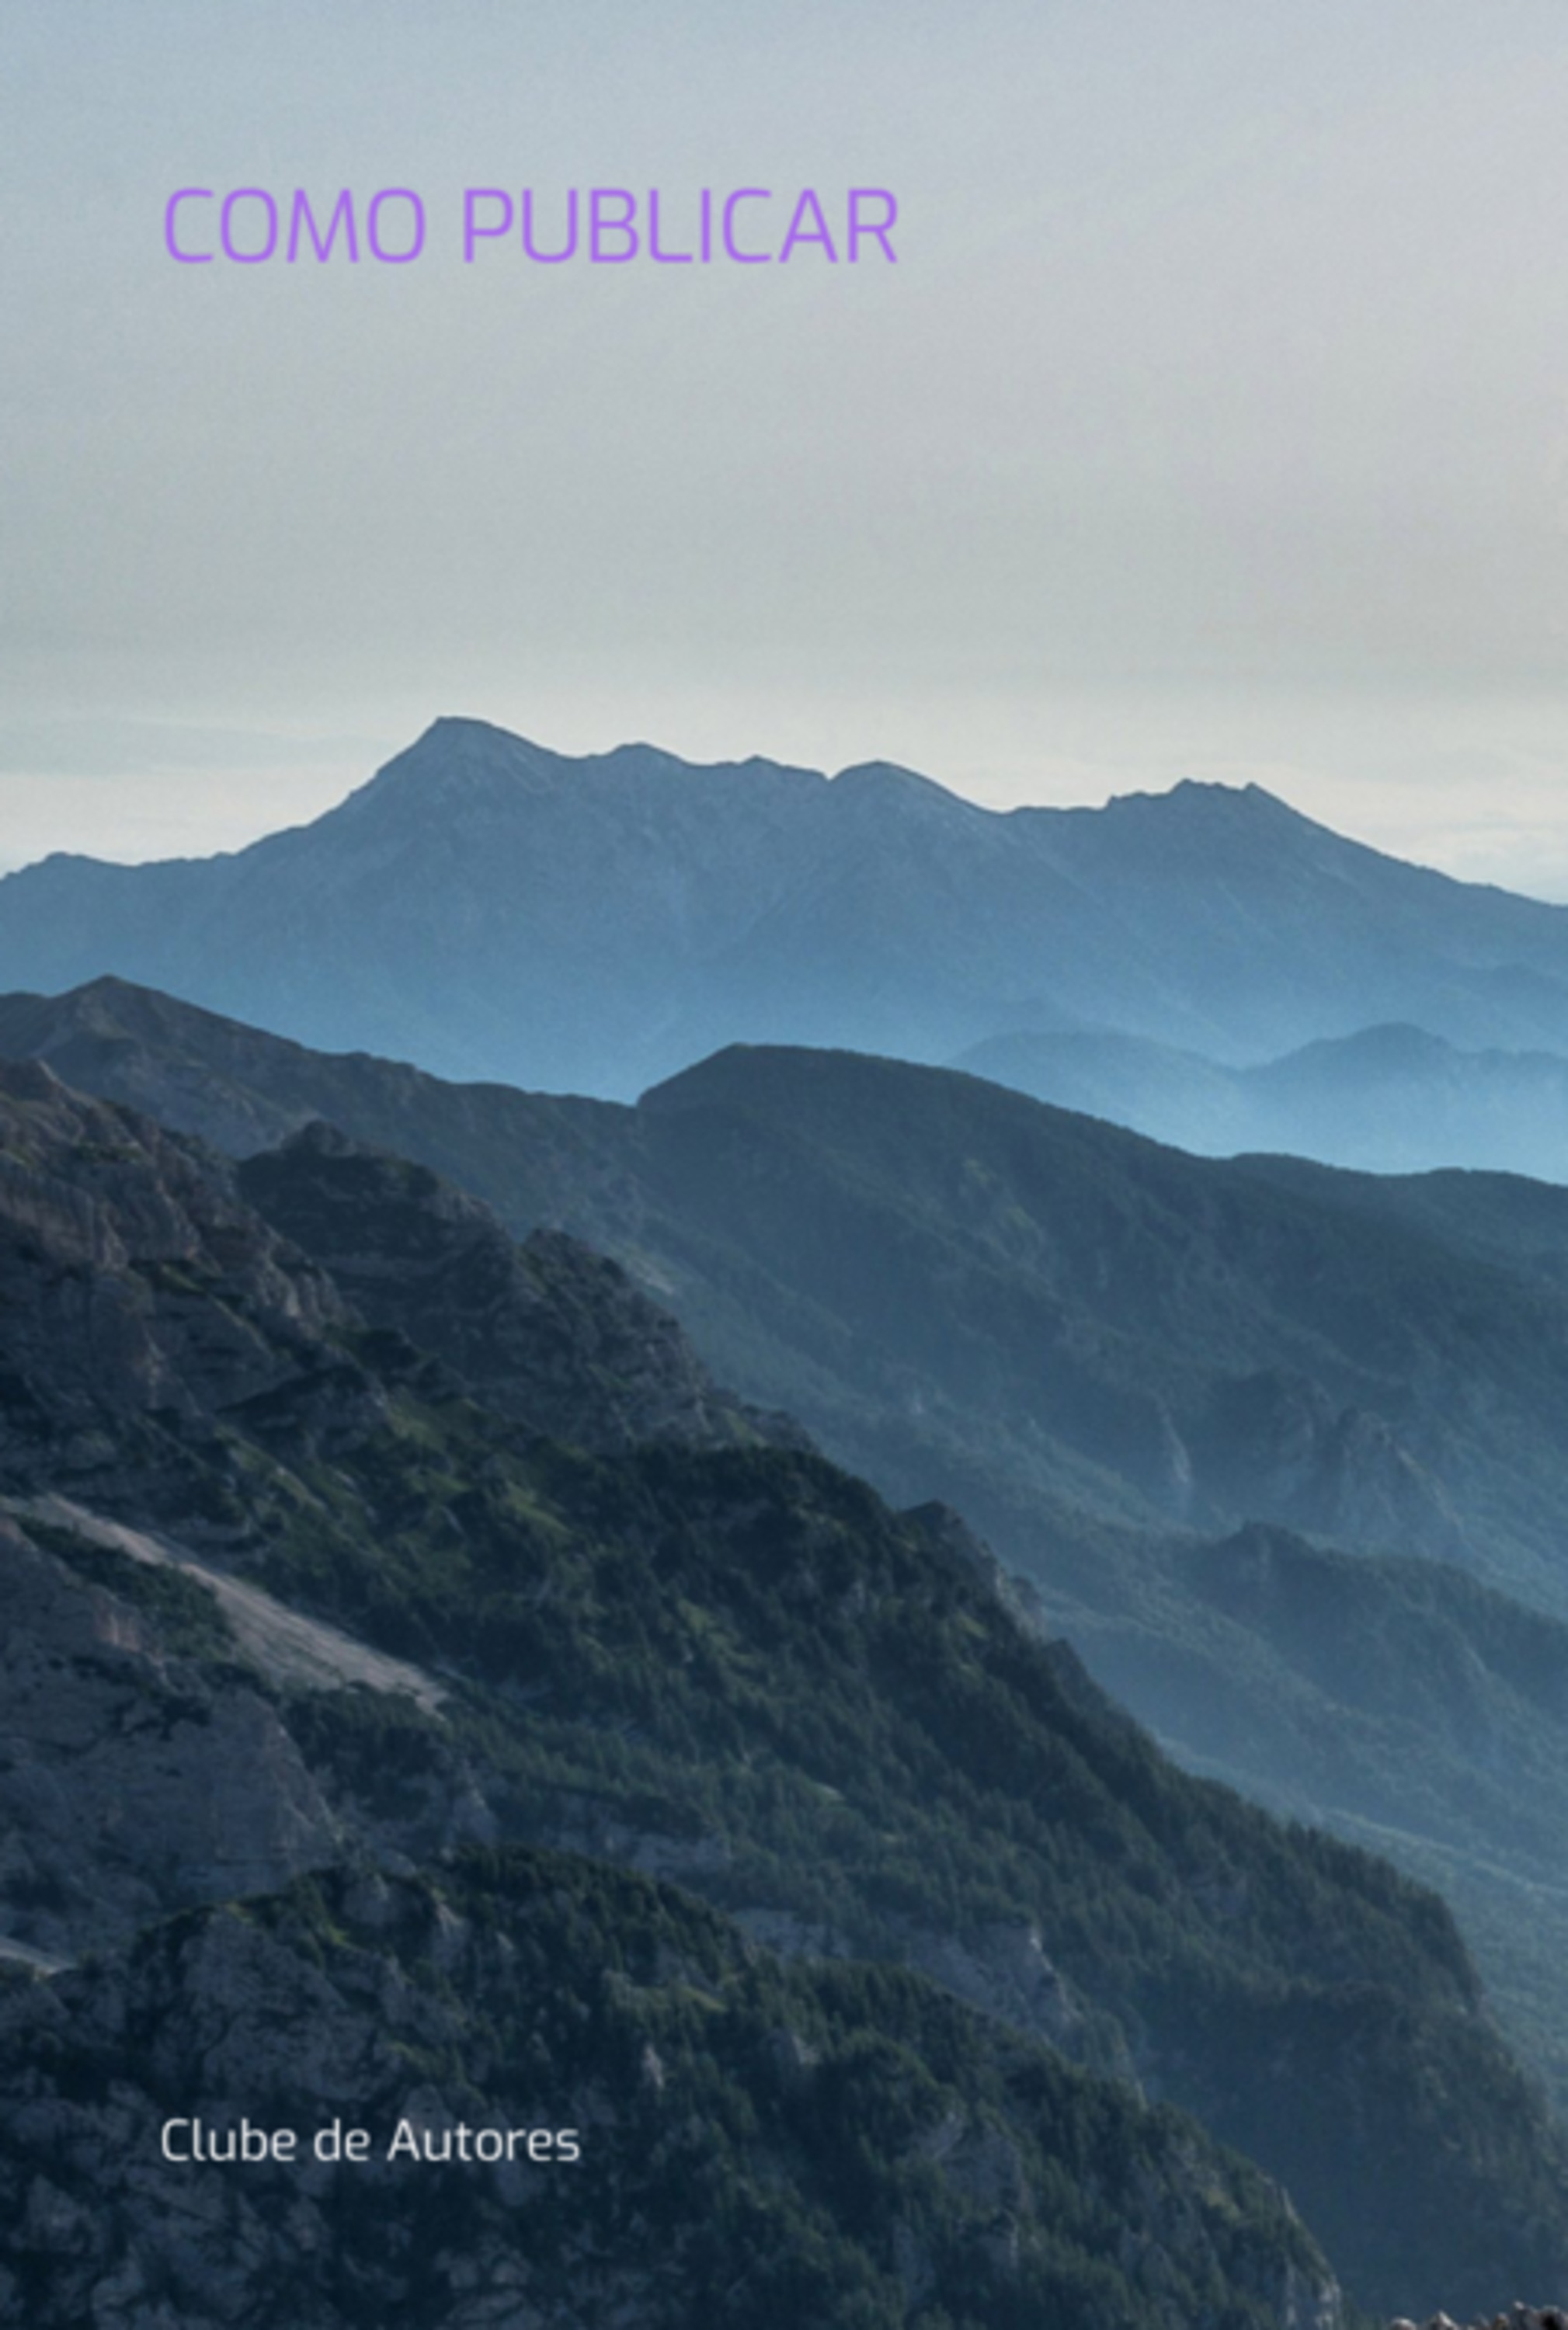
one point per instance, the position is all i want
(837, 2145)
(738, 1662)
(735, 1664)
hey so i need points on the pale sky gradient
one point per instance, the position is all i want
(1215, 420)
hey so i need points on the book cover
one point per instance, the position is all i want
(783, 1104)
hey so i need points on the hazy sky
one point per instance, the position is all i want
(1215, 419)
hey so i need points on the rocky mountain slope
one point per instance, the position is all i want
(549, 1331)
(970, 1295)
(487, 908)
(725, 1663)
(584, 2099)
(138, 1774)
(764, 1214)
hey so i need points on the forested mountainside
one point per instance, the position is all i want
(1114, 1359)
(584, 2097)
(257, 1540)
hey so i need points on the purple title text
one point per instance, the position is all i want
(604, 226)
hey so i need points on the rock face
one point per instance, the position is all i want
(159, 1340)
(132, 1781)
(142, 1300)
(1276, 1446)
(151, 1310)
(156, 1749)
(551, 1334)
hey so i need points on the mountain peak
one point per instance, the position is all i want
(1209, 798)
(453, 753)
(457, 759)
(459, 727)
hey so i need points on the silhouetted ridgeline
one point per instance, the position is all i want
(487, 908)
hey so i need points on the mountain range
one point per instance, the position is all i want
(489, 909)
(933, 1273)
(1276, 1446)
(278, 1578)
(440, 1518)
(1385, 1099)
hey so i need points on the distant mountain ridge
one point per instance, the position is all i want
(1388, 1099)
(924, 1267)
(490, 909)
